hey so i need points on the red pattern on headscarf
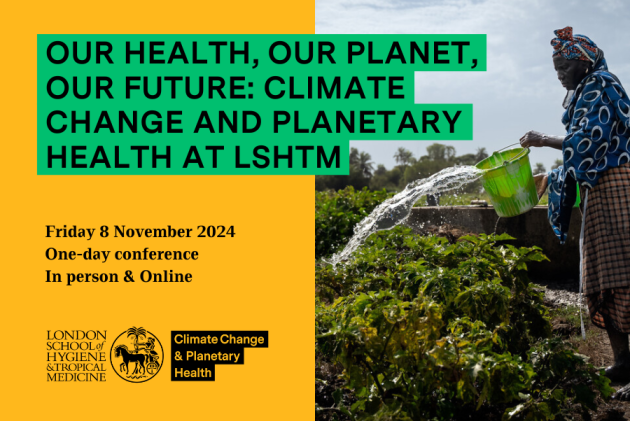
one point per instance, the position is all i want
(567, 45)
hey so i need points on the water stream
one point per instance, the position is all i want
(496, 225)
(397, 209)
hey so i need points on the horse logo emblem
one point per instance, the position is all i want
(136, 355)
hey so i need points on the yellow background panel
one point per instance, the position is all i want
(262, 279)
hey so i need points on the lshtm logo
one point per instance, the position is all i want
(136, 355)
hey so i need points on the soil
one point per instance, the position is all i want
(596, 346)
(450, 232)
(558, 294)
(329, 382)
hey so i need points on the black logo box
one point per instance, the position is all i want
(200, 367)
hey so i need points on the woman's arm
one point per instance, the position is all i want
(536, 139)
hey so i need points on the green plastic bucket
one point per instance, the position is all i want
(509, 182)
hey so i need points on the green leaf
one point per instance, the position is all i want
(337, 396)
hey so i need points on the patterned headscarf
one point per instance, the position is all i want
(573, 47)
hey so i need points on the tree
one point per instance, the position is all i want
(449, 153)
(365, 164)
(481, 154)
(354, 156)
(380, 170)
(556, 164)
(403, 156)
(359, 177)
(389, 180)
(539, 169)
(467, 159)
(436, 152)
(136, 332)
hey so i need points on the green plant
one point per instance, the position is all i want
(429, 330)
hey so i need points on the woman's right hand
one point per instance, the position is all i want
(533, 138)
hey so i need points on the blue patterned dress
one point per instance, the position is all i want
(596, 154)
(597, 121)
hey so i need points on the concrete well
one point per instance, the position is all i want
(530, 229)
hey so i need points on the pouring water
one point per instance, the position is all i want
(395, 210)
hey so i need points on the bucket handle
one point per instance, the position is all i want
(517, 156)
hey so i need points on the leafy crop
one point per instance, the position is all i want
(428, 330)
(336, 214)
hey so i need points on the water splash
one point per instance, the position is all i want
(397, 209)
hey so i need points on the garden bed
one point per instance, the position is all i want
(445, 326)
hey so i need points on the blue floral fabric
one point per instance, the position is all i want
(597, 121)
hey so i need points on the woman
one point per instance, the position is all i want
(596, 153)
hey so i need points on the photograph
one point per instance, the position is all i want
(484, 278)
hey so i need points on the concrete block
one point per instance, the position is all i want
(529, 229)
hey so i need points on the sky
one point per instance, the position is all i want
(520, 90)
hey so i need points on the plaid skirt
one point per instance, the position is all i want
(606, 264)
